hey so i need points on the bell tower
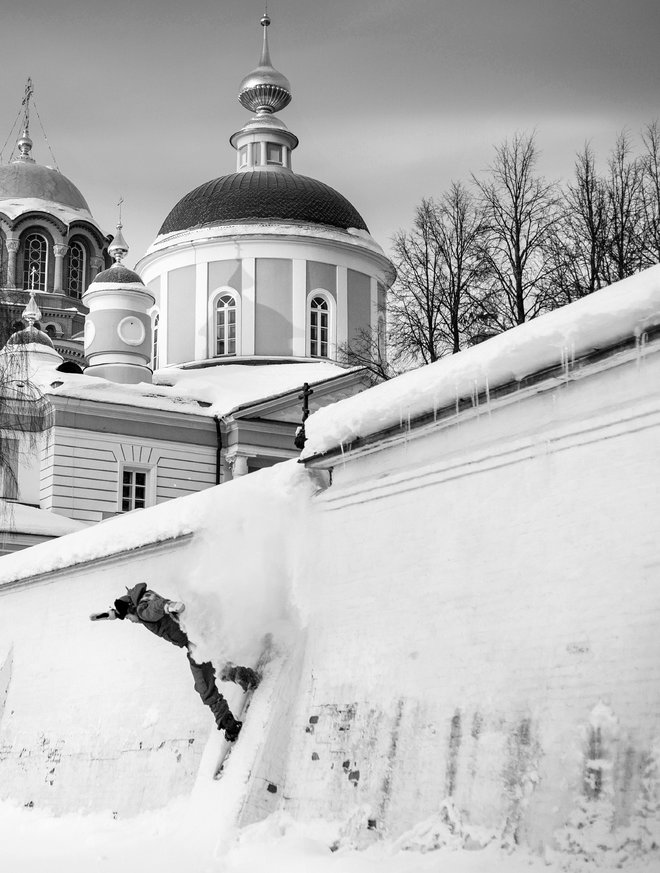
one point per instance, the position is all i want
(118, 334)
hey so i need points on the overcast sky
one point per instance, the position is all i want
(391, 99)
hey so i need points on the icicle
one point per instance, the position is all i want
(641, 341)
(488, 408)
(567, 360)
(475, 395)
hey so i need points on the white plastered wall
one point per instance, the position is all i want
(344, 255)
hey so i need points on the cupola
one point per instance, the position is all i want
(31, 340)
(118, 332)
(265, 142)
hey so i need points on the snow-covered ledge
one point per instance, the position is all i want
(626, 311)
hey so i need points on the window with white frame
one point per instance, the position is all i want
(76, 269)
(35, 262)
(319, 327)
(133, 489)
(226, 325)
(243, 156)
(273, 153)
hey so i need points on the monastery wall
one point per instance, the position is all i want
(477, 610)
(95, 715)
(482, 609)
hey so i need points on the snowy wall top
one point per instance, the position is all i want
(17, 518)
(192, 514)
(609, 316)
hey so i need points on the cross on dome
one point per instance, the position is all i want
(118, 248)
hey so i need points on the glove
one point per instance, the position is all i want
(174, 607)
(228, 672)
(108, 615)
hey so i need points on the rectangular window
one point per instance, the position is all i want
(9, 470)
(133, 490)
(273, 153)
(243, 156)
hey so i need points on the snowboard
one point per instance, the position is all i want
(264, 658)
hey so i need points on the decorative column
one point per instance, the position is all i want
(59, 252)
(238, 464)
(12, 249)
(96, 263)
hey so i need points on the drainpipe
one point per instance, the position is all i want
(218, 450)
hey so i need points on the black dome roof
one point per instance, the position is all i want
(262, 196)
(118, 274)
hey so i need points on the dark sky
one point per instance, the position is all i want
(391, 99)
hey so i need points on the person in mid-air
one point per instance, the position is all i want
(161, 617)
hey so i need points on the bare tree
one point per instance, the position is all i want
(438, 264)
(520, 213)
(579, 242)
(651, 194)
(368, 349)
(626, 214)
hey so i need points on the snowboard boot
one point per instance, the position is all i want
(246, 677)
(231, 727)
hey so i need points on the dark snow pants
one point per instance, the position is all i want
(204, 676)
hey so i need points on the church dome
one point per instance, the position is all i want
(28, 336)
(262, 196)
(119, 274)
(26, 180)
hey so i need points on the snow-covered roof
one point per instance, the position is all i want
(220, 389)
(17, 518)
(621, 311)
(13, 207)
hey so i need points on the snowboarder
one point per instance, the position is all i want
(161, 617)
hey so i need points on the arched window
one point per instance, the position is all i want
(319, 327)
(225, 325)
(35, 262)
(154, 344)
(76, 269)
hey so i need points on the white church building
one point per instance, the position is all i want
(188, 371)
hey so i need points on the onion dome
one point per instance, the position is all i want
(265, 90)
(117, 273)
(30, 335)
(258, 197)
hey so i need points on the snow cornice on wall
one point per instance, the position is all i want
(553, 348)
(63, 568)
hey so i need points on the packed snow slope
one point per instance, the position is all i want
(465, 621)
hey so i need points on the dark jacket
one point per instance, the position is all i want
(150, 609)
